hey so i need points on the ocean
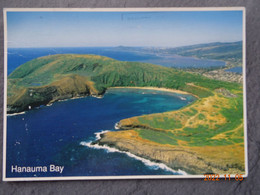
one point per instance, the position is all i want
(18, 56)
(59, 134)
(237, 70)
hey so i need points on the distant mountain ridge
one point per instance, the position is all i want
(203, 137)
(226, 51)
(51, 78)
(217, 50)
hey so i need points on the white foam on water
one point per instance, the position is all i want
(183, 98)
(117, 126)
(76, 97)
(50, 104)
(14, 114)
(98, 134)
(147, 162)
(64, 100)
(97, 96)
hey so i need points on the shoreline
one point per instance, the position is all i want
(101, 96)
(53, 102)
(147, 162)
(157, 89)
(16, 113)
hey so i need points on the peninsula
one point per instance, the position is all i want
(206, 136)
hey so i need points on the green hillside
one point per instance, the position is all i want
(205, 136)
(51, 78)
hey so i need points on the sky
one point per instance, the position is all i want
(109, 29)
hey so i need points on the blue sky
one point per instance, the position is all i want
(97, 29)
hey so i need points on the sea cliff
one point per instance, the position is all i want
(206, 136)
(199, 138)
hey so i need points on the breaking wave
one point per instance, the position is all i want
(147, 162)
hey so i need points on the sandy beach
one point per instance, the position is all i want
(159, 89)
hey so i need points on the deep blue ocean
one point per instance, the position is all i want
(18, 56)
(53, 134)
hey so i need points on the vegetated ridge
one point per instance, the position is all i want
(204, 137)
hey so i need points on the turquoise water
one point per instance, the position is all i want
(54, 134)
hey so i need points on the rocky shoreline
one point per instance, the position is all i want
(13, 110)
(66, 88)
(111, 148)
(175, 157)
(172, 157)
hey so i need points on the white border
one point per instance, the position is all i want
(119, 10)
(244, 94)
(5, 97)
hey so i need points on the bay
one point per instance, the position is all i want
(53, 134)
(237, 70)
(19, 56)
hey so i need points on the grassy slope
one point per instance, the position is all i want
(211, 125)
(43, 75)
